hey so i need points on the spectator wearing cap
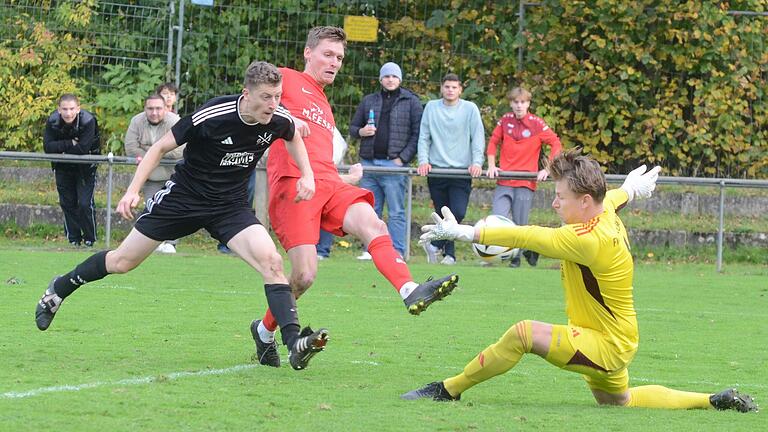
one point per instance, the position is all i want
(387, 123)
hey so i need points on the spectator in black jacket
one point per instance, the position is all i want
(71, 130)
(387, 123)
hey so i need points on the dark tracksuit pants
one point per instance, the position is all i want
(75, 187)
(454, 194)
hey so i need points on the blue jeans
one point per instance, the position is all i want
(324, 245)
(389, 188)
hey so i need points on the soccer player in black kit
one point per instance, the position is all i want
(225, 139)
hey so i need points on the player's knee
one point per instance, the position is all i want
(272, 264)
(301, 281)
(610, 399)
(518, 337)
(118, 264)
(378, 228)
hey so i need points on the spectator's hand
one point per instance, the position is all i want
(75, 141)
(127, 203)
(475, 170)
(424, 169)
(138, 159)
(301, 127)
(542, 175)
(493, 171)
(368, 130)
(446, 228)
(640, 183)
(397, 161)
(305, 189)
(355, 173)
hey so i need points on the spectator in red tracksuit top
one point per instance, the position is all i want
(520, 136)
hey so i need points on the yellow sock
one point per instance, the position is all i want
(656, 396)
(494, 360)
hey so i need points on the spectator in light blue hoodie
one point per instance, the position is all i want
(451, 136)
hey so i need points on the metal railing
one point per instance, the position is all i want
(410, 172)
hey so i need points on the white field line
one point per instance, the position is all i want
(238, 368)
(125, 382)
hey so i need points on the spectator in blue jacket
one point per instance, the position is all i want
(388, 138)
(74, 131)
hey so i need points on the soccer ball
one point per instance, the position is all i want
(491, 253)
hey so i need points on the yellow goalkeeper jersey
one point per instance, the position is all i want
(596, 268)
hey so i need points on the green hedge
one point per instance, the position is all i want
(681, 84)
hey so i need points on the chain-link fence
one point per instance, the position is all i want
(208, 48)
(119, 33)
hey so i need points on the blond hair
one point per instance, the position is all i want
(582, 173)
(519, 93)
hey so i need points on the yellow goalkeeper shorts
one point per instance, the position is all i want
(588, 352)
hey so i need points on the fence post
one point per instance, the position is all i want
(721, 228)
(169, 60)
(108, 227)
(520, 30)
(179, 44)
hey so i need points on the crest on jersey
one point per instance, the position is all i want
(264, 139)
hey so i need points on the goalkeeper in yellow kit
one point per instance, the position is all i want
(601, 337)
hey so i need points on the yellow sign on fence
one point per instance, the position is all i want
(361, 28)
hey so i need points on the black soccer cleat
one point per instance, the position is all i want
(306, 346)
(266, 352)
(731, 399)
(434, 390)
(531, 257)
(429, 292)
(47, 307)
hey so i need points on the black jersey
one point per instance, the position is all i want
(222, 149)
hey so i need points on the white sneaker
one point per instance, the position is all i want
(365, 256)
(431, 252)
(166, 248)
(321, 257)
(448, 260)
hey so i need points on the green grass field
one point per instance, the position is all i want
(167, 347)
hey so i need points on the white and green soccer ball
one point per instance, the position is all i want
(493, 253)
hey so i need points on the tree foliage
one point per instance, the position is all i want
(34, 72)
(681, 84)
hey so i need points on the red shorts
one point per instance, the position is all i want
(299, 223)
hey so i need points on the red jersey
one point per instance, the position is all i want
(521, 141)
(306, 100)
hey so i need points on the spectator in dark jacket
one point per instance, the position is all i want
(71, 130)
(387, 123)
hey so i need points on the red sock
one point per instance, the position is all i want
(269, 321)
(388, 261)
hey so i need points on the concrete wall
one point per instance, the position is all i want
(687, 203)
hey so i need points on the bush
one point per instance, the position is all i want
(34, 72)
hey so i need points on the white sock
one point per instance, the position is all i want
(407, 289)
(264, 334)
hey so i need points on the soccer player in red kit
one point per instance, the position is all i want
(336, 207)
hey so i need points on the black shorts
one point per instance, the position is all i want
(174, 212)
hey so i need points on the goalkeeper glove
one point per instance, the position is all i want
(640, 183)
(446, 228)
